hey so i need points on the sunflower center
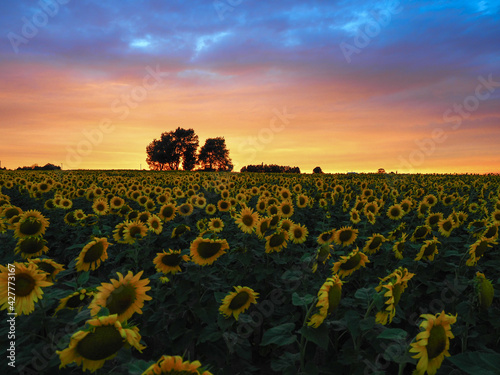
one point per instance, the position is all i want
(30, 227)
(351, 263)
(31, 245)
(334, 298)
(100, 344)
(286, 209)
(134, 231)
(375, 243)
(447, 225)
(247, 220)
(433, 220)
(206, 250)
(429, 250)
(171, 260)
(490, 232)
(436, 343)
(421, 232)
(94, 253)
(46, 267)
(167, 211)
(297, 233)
(121, 299)
(24, 284)
(276, 240)
(75, 301)
(395, 212)
(239, 300)
(345, 235)
(481, 249)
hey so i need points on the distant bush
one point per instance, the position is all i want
(271, 168)
(317, 170)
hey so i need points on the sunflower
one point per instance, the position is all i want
(134, 230)
(262, 226)
(167, 212)
(302, 200)
(75, 300)
(205, 251)
(223, 205)
(48, 266)
(215, 225)
(485, 291)
(399, 246)
(92, 255)
(276, 241)
(433, 219)
(420, 233)
(238, 301)
(247, 220)
(185, 209)
(345, 236)
(30, 223)
(350, 263)
(286, 224)
(329, 296)
(30, 247)
(433, 342)
(118, 232)
(373, 244)
(124, 296)
(430, 199)
(495, 217)
(285, 209)
(428, 250)
(169, 262)
(100, 206)
(116, 203)
(298, 233)
(174, 365)
(478, 249)
(70, 219)
(423, 209)
(154, 224)
(210, 209)
(392, 286)
(90, 348)
(179, 230)
(354, 216)
(29, 281)
(445, 227)
(65, 204)
(491, 232)
(395, 212)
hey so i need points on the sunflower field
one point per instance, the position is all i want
(134, 272)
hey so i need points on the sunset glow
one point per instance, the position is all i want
(348, 86)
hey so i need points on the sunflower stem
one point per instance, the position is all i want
(369, 308)
(303, 340)
(401, 368)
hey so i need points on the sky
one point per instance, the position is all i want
(410, 86)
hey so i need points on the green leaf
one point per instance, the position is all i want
(103, 312)
(76, 246)
(285, 361)
(302, 301)
(138, 367)
(396, 334)
(280, 335)
(83, 278)
(477, 363)
(367, 324)
(292, 275)
(210, 333)
(319, 335)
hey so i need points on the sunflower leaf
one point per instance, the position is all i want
(393, 334)
(301, 301)
(477, 363)
(317, 336)
(280, 335)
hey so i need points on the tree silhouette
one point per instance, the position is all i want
(174, 146)
(214, 155)
(317, 170)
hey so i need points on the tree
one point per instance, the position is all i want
(214, 155)
(317, 170)
(174, 146)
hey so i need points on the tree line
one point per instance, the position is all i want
(180, 148)
(271, 168)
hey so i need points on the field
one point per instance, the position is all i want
(118, 272)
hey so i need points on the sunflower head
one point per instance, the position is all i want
(205, 251)
(485, 291)
(345, 236)
(350, 263)
(169, 262)
(238, 301)
(92, 254)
